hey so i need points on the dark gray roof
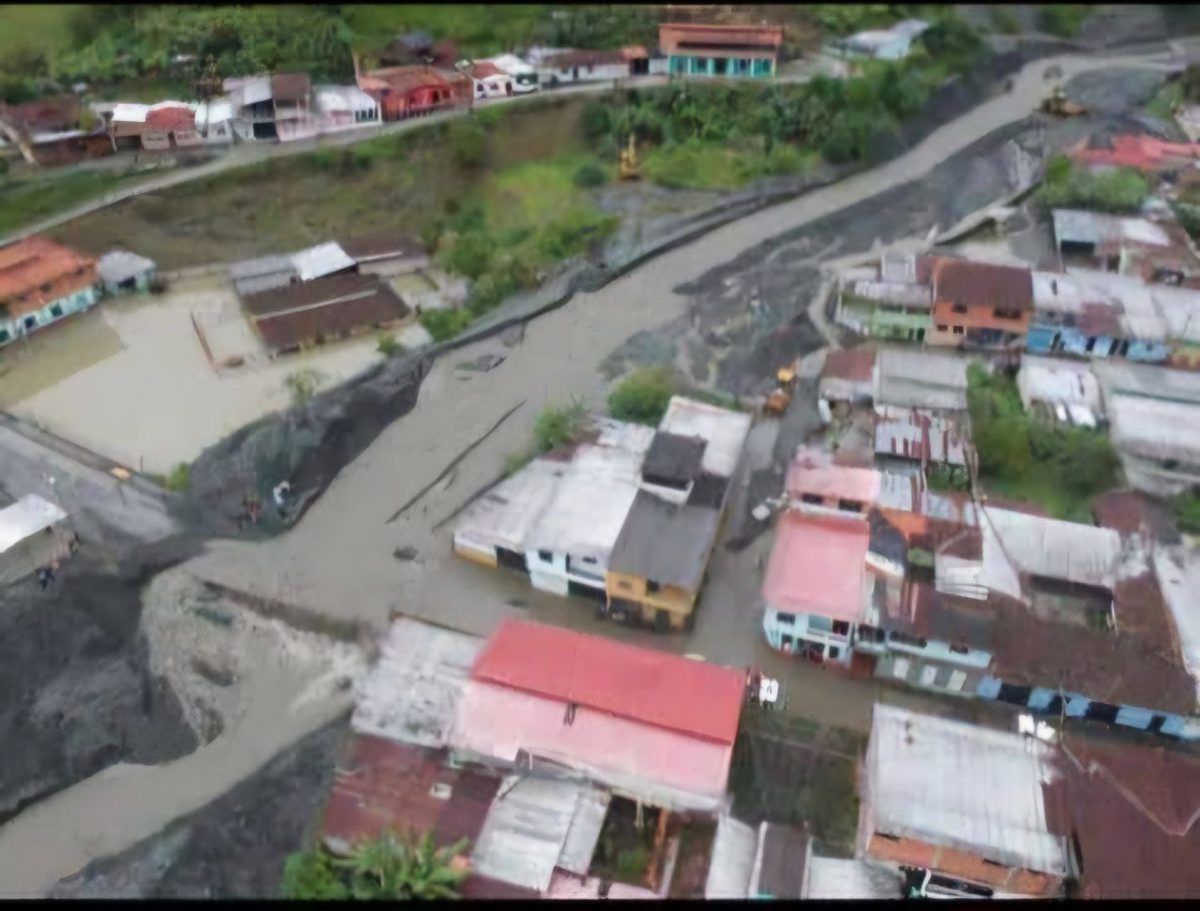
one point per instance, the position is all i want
(709, 490)
(674, 457)
(887, 540)
(666, 543)
(784, 851)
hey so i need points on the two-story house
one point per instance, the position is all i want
(980, 305)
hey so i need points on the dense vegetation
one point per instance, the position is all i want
(710, 136)
(1029, 457)
(1063, 20)
(385, 868)
(1116, 190)
(1186, 507)
(643, 396)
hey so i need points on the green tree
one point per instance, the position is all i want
(590, 174)
(643, 396)
(388, 346)
(312, 875)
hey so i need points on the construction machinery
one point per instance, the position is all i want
(629, 169)
(1057, 105)
(785, 380)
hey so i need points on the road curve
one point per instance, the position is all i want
(338, 560)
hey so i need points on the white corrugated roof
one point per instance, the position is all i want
(215, 110)
(921, 378)
(525, 830)
(343, 98)
(1043, 379)
(963, 786)
(725, 431)
(1055, 549)
(1154, 428)
(838, 878)
(321, 260)
(1079, 226)
(504, 515)
(589, 506)
(412, 692)
(118, 265)
(130, 113)
(1178, 571)
(732, 860)
(28, 516)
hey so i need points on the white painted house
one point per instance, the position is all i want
(570, 67)
(524, 76)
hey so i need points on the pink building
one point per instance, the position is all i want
(653, 727)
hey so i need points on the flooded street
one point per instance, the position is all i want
(130, 380)
(160, 402)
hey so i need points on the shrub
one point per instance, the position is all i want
(590, 174)
(1186, 507)
(596, 120)
(179, 478)
(388, 346)
(632, 863)
(1119, 190)
(1064, 20)
(948, 477)
(303, 383)
(1189, 216)
(557, 426)
(643, 396)
(443, 325)
(470, 254)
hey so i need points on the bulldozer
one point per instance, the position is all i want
(1057, 105)
(778, 401)
(629, 168)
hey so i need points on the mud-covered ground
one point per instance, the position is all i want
(233, 848)
(76, 690)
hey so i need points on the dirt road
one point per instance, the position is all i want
(339, 561)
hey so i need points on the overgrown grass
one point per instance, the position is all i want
(696, 165)
(21, 204)
(1162, 105)
(1026, 457)
(1070, 186)
(1005, 20)
(46, 27)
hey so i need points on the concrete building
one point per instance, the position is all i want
(33, 533)
(575, 66)
(345, 107)
(847, 379)
(647, 726)
(524, 76)
(628, 516)
(488, 80)
(1065, 390)
(122, 271)
(42, 282)
(964, 801)
(980, 305)
(730, 51)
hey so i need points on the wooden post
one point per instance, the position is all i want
(658, 860)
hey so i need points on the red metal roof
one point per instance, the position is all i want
(484, 69)
(817, 565)
(851, 364)
(383, 785)
(171, 118)
(1143, 152)
(691, 697)
(1134, 811)
(402, 79)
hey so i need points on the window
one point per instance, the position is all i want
(1007, 314)
(625, 585)
(785, 619)
(56, 311)
(31, 322)
(652, 586)
(900, 668)
(958, 330)
(820, 624)
(957, 679)
(942, 327)
(959, 308)
(905, 639)
(960, 650)
(811, 498)
(841, 628)
(3, 335)
(850, 505)
(546, 556)
(834, 651)
(928, 674)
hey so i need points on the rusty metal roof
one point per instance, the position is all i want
(983, 285)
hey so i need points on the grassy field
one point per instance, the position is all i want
(22, 203)
(44, 27)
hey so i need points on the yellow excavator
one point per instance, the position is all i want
(629, 168)
(785, 384)
(1058, 106)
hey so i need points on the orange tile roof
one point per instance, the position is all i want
(36, 271)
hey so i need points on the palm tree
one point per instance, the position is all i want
(388, 867)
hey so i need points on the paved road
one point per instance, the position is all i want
(339, 558)
(244, 154)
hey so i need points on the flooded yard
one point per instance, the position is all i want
(131, 380)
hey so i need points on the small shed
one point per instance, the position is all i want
(28, 536)
(122, 271)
